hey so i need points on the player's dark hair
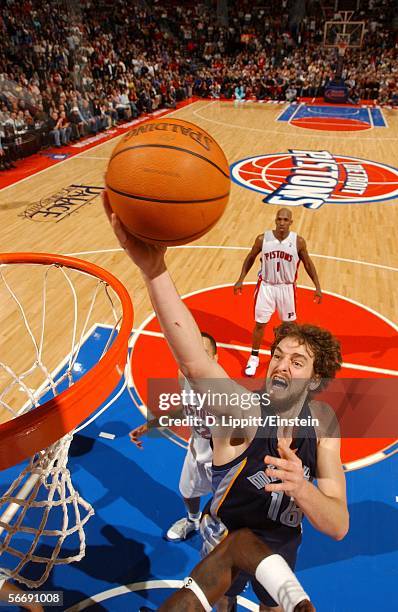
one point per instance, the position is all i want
(211, 340)
(322, 345)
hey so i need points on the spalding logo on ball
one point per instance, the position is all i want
(168, 181)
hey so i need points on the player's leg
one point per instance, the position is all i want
(192, 504)
(264, 307)
(283, 563)
(194, 482)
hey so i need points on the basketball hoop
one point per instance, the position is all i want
(45, 403)
(342, 48)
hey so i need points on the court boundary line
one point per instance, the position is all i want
(370, 117)
(383, 115)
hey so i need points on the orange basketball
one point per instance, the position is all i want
(168, 181)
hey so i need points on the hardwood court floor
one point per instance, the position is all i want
(353, 246)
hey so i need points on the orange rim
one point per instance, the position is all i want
(29, 433)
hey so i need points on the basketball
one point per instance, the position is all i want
(168, 181)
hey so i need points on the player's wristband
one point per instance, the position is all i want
(189, 583)
(274, 574)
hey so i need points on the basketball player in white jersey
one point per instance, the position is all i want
(195, 479)
(281, 252)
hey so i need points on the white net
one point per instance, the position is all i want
(50, 499)
(67, 306)
(48, 313)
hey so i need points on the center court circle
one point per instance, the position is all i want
(368, 341)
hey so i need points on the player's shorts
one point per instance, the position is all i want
(288, 549)
(269, 298)
(195, 479)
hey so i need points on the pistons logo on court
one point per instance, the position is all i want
(314, 178)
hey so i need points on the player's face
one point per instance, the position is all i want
(283, 222)
(289, 372)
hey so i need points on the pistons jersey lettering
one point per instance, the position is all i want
(279, 259)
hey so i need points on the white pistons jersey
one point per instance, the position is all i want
(279, 259)
(199, 442)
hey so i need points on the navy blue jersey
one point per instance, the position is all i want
(240, 499)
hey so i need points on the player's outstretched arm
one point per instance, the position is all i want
(177, 323)
(241, 550)
(248, 262)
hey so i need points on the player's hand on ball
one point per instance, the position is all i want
(289, 469)
(148, 257)
(318, 296)
(304, 606)
(136, 434)
(238, 288)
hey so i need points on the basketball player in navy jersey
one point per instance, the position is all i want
(262, 475)
(281, 252)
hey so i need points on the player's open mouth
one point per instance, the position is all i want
(279, 383)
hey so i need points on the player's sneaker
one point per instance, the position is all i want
(181, 529)
(252, 365)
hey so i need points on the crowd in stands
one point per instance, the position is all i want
(73, 68)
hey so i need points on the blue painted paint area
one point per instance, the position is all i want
(377, 117)
(135, 496)
(288, 112)
(337, 112)
(353, 113)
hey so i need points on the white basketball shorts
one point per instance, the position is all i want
(195, 479)
(269, 298)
